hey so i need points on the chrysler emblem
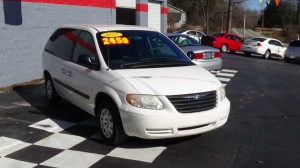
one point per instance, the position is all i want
(196, 96)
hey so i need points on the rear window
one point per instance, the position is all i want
(259, 39)
(218, 34)
(295, 43)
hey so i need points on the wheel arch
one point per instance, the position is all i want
(109, 95)
(46, 73)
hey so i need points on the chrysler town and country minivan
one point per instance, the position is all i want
(134, 80)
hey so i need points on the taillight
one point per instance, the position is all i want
(258, 44)
(198, 56)
(217, 54)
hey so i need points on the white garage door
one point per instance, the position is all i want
(154, 15)
(126, 4)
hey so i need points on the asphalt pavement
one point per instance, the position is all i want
(263, 130)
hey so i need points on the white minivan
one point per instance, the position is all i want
(134, 80)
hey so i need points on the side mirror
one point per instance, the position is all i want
(86, 61)
(191, 55)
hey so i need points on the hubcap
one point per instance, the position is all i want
(267, 54)
(49, 90)
(224, 48)
(106, 123)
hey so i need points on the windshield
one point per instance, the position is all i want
(182, 40)
(139, 49)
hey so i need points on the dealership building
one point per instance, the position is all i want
(26, 25)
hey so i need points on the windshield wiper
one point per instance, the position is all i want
(157, 62)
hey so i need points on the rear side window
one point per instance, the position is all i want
(295, 44)
(61, 43)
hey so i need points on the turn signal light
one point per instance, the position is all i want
(217, 54)
(259, 44)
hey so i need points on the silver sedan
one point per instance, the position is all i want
(205, 56)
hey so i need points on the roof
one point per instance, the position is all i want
(103, 27)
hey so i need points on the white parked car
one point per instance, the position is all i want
(266, 47)
(134, 80)
(197, 35)
(293, 51)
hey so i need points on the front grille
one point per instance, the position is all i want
(196, 102)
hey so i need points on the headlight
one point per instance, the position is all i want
(222, 93)
(144, 101)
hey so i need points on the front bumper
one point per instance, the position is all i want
(175, 124)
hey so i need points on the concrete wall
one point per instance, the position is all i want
(26, 25)
(25, 28)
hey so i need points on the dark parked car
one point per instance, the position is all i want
(293, 51)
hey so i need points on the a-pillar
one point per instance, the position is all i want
(164, 12)
(142, 12)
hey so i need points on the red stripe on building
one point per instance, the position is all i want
(163, 10)
(90, 3)
(142, 7)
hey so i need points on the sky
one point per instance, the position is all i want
(254, 4)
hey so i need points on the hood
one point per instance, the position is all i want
(170, 80)
(200, 48)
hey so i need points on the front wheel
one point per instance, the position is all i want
(111, 128)
(267, 54)
(247, 54)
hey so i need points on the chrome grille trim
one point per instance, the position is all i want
(196, 102)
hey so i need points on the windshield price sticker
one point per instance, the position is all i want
(111, 34)
(115, 40)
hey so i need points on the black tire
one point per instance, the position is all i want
(51, 94)
(108, 116)
(267, 54)
(247, 54)
(224, 48)
(287, 60)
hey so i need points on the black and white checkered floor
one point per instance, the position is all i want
(49, 142)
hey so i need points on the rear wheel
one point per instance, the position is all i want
(51, 94)
(111, 128)
(267, 54)
(248, 54)
(224, 48)
(287, 60)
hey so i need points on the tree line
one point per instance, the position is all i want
(214, 16)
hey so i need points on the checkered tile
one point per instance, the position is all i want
(74, 143)
(224, 75)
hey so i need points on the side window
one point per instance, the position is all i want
(272, 42)
(236, 38)
(192, 33)
(85, 46)
(229, 37)
(61, 43)
(199, 34)
(278, 44)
